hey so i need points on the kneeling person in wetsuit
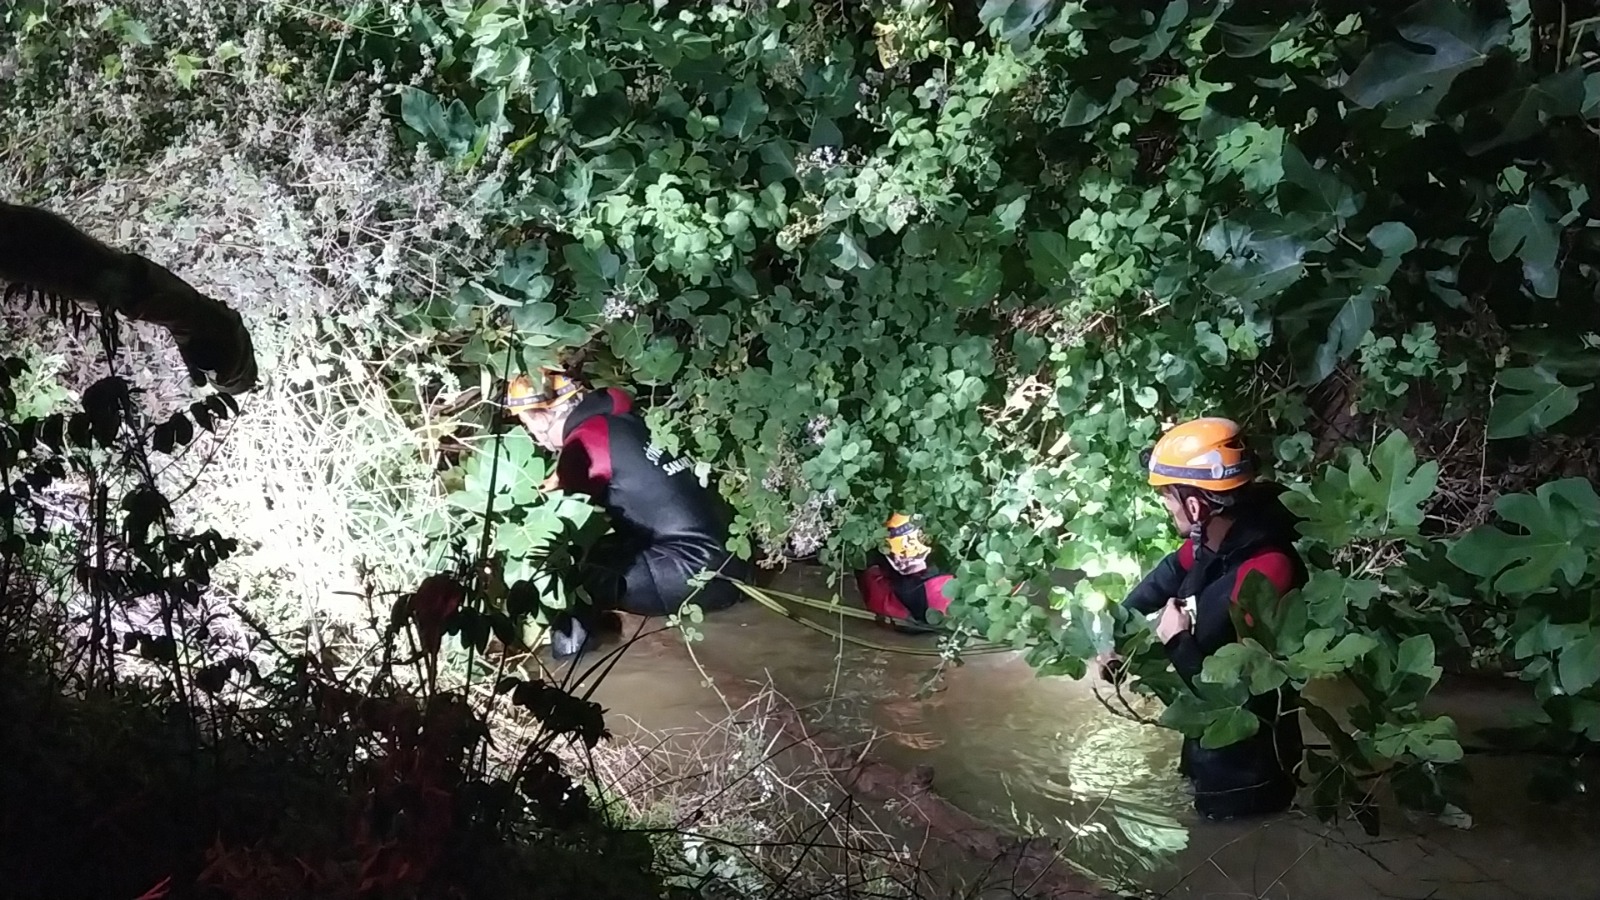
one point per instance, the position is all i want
(901, 582)
(1234, 526)
(666, 526)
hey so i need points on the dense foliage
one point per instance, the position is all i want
(968, 261)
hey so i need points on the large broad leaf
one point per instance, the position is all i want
(1523, 111)
(1561, 525)
(1445, 38)
(1017, 20)
(1317, 659)
(1402, 675)
(1278, 623)
(746, 111)
(1430, 741)
(510, 469)
(422, 113)
(1396, 485)
(1267, 268)
(1329, 595)
(1244, 39)
(1345, 334)
(1393, 240)
(1214, 713)
(1306, 188)
(1049, 258)
(1093, 100)
(1166, 29)
(1245, 662)
(1377, 503)
(1579, 664)
(1529, 401)
(592, 269)
(1530, 231)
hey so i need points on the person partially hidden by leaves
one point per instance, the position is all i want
(41, 251)
(900, 583)
(1234, 526)
(666, 526)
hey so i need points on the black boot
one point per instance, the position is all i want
(570, 637)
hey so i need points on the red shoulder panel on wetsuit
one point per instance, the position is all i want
(1275, 565)
(621, 401)
(585, 462)
(1186, 555)
(877, 594)
(935, 593)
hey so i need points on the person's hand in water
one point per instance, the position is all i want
(1173, 622)
(1109, 665)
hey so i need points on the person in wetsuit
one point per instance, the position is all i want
(666, 526)
(1234, 526)
(900, 583)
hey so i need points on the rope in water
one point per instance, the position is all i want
(772, 600)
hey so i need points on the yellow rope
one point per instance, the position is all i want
(769, 599)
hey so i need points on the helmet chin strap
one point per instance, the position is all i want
(1197, 527)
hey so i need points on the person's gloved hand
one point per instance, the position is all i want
(1173, 622)
(1109, 665)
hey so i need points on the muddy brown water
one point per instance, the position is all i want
(1043, 755)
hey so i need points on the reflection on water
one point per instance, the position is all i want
(1044, 755)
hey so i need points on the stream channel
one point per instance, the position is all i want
(1043, 755)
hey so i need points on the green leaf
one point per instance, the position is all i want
(1212, 712)
(1329, 594)
(588, 267)
(1530, 230)
(1228, 728)
(1561, 521)
(1271, 266)
(1245, 662)
(1049, 257)
(1529, 401)
(745, 113)
(1015, 21)
(1174, 15)
(1540, 635)
(1430, 741)
(850, 255)
(1395, 485)
(1091, 101)
(1445, 39)
(184, 68)
(1318, 660)
(1579, 664)
(1394, 240)
(1523, 111)
(422, 113)
(1278, 623)
(1345, 334)
(715, 328)
(1415, 656)
(1307, 188)
(1586, 718)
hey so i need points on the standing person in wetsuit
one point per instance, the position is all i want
(1234, 526)
(666, 526)
(901, 582)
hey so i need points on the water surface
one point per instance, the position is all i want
(1044, 755)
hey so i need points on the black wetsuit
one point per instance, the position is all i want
(666, 526)
(1255, 775)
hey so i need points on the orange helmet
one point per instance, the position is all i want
(1204, 453)
(554, 389)
(905, 538)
